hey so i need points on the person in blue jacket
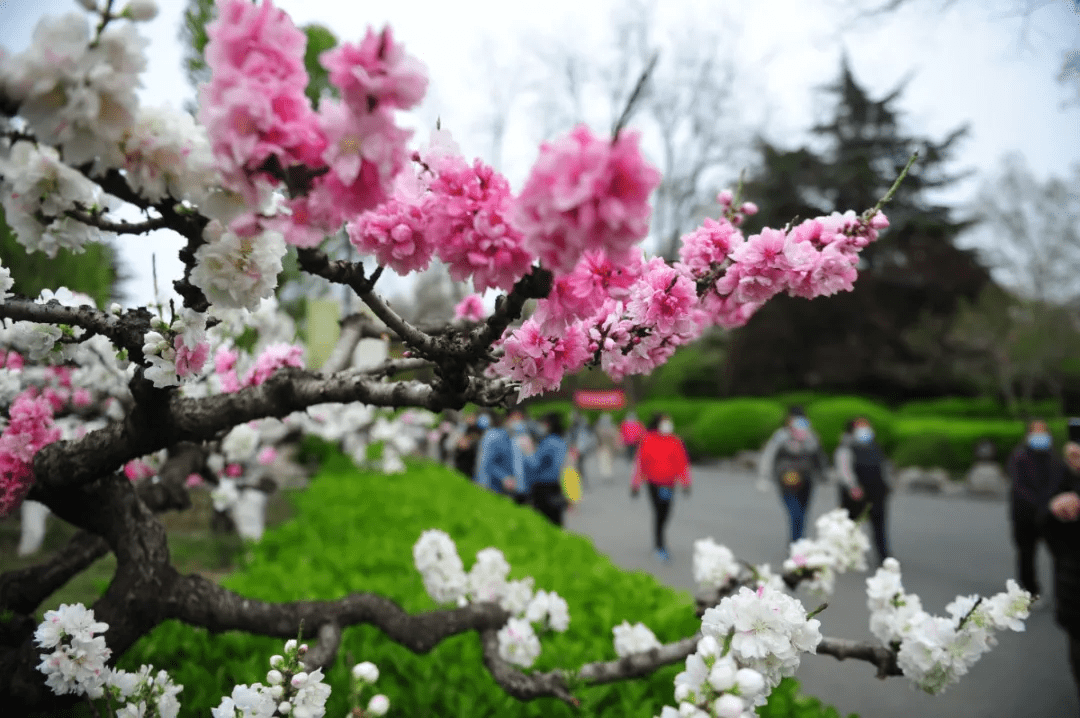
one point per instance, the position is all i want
(543, 470)
(495, 458)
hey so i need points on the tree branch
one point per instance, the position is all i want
(121, 227)
(23, 590)
(875, 653)
(125, 331)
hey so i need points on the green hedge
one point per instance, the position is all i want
(982, 407)
(950, 443)
(355, 530)
(732, 425)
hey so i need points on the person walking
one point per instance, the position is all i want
(543, 470)
(631, 430)
(607, 444)
(1035, 472)
(582, 442)
(495, 458)
(1062, 533)
(661, 462)
(862, 467)
(793, 459)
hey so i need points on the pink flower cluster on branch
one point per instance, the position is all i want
(30, 427)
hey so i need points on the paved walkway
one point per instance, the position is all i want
(946, 547)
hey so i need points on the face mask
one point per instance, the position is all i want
(864, 434)
(667, 427)
(1040, 441)
(801, 423)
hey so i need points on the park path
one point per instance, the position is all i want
(946, 546)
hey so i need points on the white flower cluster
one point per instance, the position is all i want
(241, 443)
(714, 565)
(518, 643)
(144, 693)
(290, 691)
(714, 684)
(934, 651)
(37, 190)
(167, 154)
(365, 674)
(437, 560)
(548, 609)
(6, 283)
(225, 495)
(768, 631)
(237, 271)
(77, 661)
(171, 360)
(630, 639)
(445, 581)
(34, 340)
(840, 546)
(76, 91)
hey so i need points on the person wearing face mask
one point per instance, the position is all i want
(661, 462)
(543, 470)
(794, 460)
(862, 467)
(1035, 472)
(1062, 532)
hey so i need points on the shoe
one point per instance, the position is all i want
(663, 555)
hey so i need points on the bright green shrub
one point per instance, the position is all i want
(684, 412)
(785, 702)
(979, 407)
(950, 443)
(732, 425)
(802, 398)
(829, 416)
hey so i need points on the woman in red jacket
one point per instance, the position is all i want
(661, 461)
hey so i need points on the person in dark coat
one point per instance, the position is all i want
(543, 471)
(862, 467)
(1062, 533)
(1036, 473)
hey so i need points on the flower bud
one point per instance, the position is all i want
(277, 661)
(722, 676)
(115, 308)
(751, 683)
(302, 649)
(299, 680)
(682, 692)
(728, 706)
(276, 692)
(725, 198)
(378, 705)
(290, 645)
(708, 646)
(749, 209)
(367, 672)
(141, 10)
(284, 707)
(274, 677)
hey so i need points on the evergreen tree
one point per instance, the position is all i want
(855, 341)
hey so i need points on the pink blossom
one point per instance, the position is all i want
(266, 456)
(190, 360)
(60, 375)
(585, 193)
(663, 299)
(709, 245)
(14, 360)
(81, 397)
(234, 471)
(29, 428)
(471, 308)
(254, 106)
(225, 360)
(397, 234)
(193, 480)
(468, 207)
(137, 469)
(377, 72)
(765, 250)
(274, 357)
(540, 362)
(56, 397)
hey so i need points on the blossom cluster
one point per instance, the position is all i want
(176, 351)
(76, 663)
(715, 566)
(144, 693)
(630, 639)
(840, 546)
(445, 580)
(936, 651)
(290, 690)
(716, 684)
(29, 428)
(768, 631)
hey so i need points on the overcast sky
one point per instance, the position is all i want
(970, 62)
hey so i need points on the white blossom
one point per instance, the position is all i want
(487, 578)
(366, 672)
(437, 560)
(636, 638)
(240, 443)
(225, 495)
(252, 701)
(167, 154)
(378, 705)
(6, 283)
(517, 596)
(714, 565)
(238, 271)
(77, 661)
(141, 10)
(518, 643)
(311, 695)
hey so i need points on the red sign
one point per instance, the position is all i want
(606, 399)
